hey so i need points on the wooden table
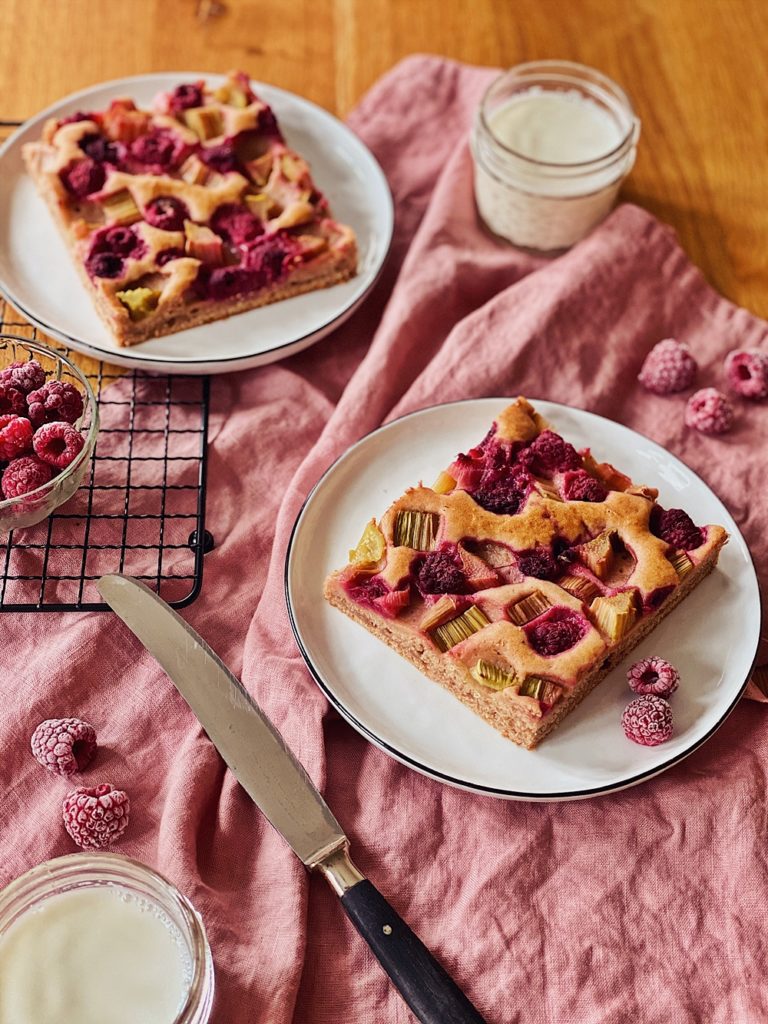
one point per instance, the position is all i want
(694, 70)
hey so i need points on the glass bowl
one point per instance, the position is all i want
(31, 508)
(128, 880)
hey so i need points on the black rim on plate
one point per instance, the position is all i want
(435, 773)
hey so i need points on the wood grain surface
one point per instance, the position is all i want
(694, 70)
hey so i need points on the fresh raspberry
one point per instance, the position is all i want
(556, 631)
(57, 400)
(64, 745)
(83, 177)
(578, 485)
(549, 453)
(166, 255)
(15, 437)
(709, 411)
(104, 264)
(438, 573)
(222, 157)
(96, 818)
(12, 399)
(184, 97)
(24, 475)
(58, 444)
(101, 150)
(25, 376)
(155, 149)
(653, 675)
(647, 720)
(668, 367)
(166, 212)
(117, 240)
(235, 224)
(747, 372)
(538, 562)
(676, 527)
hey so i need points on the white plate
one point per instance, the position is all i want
(711, 638)
(38, 277)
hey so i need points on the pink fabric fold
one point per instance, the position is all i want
(646, 905)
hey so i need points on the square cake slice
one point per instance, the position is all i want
(188, 212)
(523, 575)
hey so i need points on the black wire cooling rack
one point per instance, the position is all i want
(141, 508)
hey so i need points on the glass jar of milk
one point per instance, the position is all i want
(552, 143)
(97, 938)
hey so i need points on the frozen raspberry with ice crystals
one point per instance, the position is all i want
(56, 400)
(12, 399)
(25, 376)
(64, 745)
(668, 367)
(95, 818)
(709, 411)
(556, 631)
(647, 720)
(24, 475)
(15, 437)
(58, 444)
(653, 675)
(747, 372)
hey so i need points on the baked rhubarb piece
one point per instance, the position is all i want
(189, 212)
(523, 575)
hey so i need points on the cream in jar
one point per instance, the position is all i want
(552, 143)
(91, 955)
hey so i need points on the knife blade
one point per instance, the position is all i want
(264, 766)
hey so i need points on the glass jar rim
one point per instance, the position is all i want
(575, 70)
(81, 870)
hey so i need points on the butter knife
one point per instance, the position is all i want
(276, 782)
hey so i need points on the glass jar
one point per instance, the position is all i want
(550, 203)
(130, 880)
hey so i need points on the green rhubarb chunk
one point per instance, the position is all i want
(139, 302)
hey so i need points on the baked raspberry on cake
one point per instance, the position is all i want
(523, 575)
(189, 212)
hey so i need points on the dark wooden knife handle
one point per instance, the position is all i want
(430, 992)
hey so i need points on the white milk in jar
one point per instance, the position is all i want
(552, 143)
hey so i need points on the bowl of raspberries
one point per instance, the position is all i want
(48, 426)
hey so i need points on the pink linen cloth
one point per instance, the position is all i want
(647, 905)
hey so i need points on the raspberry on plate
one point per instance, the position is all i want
(647, 720)
(24, 475)
(15, 437)
(12, 398)
(653, 675)
(95, 818)
(58, 444)
(56, 400)
(668, 367)
(64, 745)
(709, 411)
(747, 372)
